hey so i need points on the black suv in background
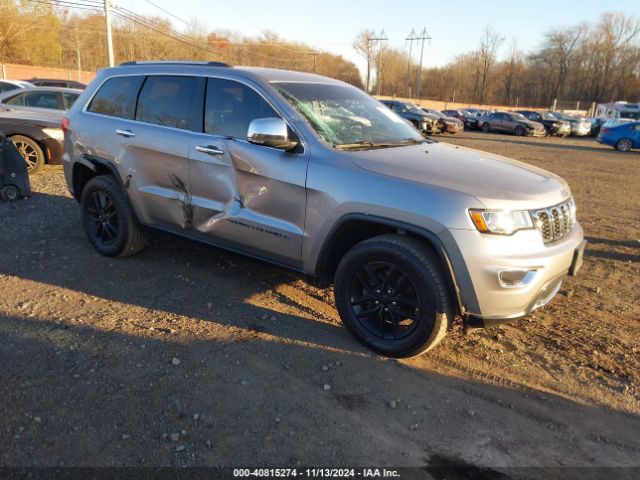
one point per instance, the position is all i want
(56, 82)
(423, 121)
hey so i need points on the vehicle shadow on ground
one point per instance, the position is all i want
(616, 243)
(548, 142)
(87, 396)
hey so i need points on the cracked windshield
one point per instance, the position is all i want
(348, 118)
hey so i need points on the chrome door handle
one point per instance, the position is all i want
(125, 133)
(209, 150)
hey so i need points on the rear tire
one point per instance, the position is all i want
(624, 145)
(486, 128)
(392, 296)
(9, 193)
(30, 151)
(108, 219)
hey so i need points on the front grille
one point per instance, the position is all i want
(554, 223)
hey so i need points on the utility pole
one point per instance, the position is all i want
(107, 21)
(423, 36)
(382, 38)
(78, 64)
(410, 39)
(315, 54)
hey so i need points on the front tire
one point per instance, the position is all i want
(624, 145)
(30, 151)
(520, 131)
(486, 128)
(392, 296)
(108, 219)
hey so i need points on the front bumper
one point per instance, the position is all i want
(561, 131)
(581, 131)
(490, 259)
(536, 133)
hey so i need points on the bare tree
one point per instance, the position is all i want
(489, 44)
(364, 45)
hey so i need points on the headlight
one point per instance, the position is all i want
(502, 222)
(55, 133)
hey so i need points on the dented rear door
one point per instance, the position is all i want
(157, 150)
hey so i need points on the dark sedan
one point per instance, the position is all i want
(447, 124)
(470, 122)
(428, 124)
(38, 137)
(552, 125)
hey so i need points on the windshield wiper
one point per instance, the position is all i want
(370, 144)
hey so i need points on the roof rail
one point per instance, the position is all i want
(174, 62)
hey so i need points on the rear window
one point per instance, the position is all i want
(167, 101)
(117, 97)
(7, 87)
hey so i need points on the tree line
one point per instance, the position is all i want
(583, 63)
(43, 34)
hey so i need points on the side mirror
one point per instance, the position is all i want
(270, 132)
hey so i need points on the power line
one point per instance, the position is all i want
(167, 12)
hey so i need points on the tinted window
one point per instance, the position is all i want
(231, 106)
(7, 87)
(168, 101)
(41, 99)
(69, 99)
(117, 97)
(16, 100)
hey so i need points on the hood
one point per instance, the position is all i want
(452, 120)
(532, 124)
(497, 182)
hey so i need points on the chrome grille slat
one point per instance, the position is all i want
(555, 222)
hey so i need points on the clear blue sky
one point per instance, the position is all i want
(455, 26)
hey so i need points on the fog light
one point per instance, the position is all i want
(516, 278)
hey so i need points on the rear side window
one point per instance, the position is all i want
(41, 99)
(168, 101)
(117, 97)
(231, 106)
(16, 100)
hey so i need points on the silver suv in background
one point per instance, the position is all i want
(315, 175)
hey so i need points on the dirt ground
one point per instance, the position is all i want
(186, 355)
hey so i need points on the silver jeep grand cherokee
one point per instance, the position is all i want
(314, 175)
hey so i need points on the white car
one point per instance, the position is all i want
(39, 99)
(9, 85)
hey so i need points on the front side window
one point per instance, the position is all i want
(346, 117)
(167, 101)
(231, 106)
(117, 97)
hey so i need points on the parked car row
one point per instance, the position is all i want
(31, 114)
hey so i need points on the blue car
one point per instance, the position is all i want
(622, 137)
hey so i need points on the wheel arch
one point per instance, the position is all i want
(34, 138)
(88, 167)
(352, 229)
